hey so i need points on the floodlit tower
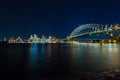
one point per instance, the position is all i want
(35, 36)
(43, 39)
(31, 37)
(35, 39)
(106, 26)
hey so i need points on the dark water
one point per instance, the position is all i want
(38, 61)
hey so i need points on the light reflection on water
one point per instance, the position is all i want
(33, 55)
(55, 59)
(48, 51)
(77, 55)
(97, 56)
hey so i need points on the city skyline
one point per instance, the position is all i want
(99, 33)
(55, 18)
(60, 39)
(98, 26)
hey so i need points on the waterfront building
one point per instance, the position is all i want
(11, 40)
(43, 39)
(33, 39)
(19, 40)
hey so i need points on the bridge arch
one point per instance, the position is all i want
(86, 28)
(96, 30)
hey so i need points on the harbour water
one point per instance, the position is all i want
(39, 61)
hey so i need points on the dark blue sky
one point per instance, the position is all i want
(53, 17)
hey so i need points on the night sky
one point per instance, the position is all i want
(53, 17)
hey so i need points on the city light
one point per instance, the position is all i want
(86, 30)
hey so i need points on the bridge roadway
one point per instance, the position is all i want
(109, 33)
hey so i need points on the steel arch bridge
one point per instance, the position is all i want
(112, 31)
